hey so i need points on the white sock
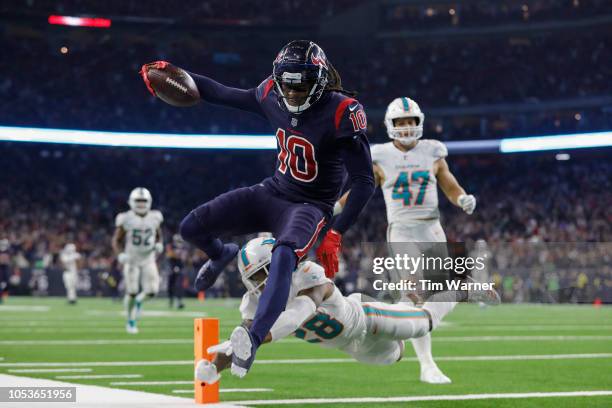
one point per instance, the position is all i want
(437, 311)
(130, 306)
(422, 348)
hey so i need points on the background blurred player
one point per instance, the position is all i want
(321, 132)
(175, 254)
(136, 242)
(5, 267)
(70, 259)
(408, 170)
(317, 312)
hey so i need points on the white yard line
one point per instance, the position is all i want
(152, 382)
(315, 360)
(92, 342)
(92, 396)
(473, 339)
(236, 390)
(97, 376)
(50, 370)
(16, 308)
(373, 400)
(454, 339)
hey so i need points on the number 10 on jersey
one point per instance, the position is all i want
(298, 154)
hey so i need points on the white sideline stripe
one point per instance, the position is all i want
(315, 360)
(430, 398)
(15, 308)
(227, 390)
(97, 377)
(152, 382)
(50, 370)
(147, 313)
(188, 341)
(91, 342)
(93, 396)
(457, 339)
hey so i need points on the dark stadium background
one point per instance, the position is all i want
(480, 70)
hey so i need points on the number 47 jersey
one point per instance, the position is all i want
(410, 186)
(141, 234)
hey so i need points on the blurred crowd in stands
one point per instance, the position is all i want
(531, 208)
(87, 79)
(411, 16)
(498, 75)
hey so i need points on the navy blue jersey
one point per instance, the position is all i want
(309, 165)
(315, 148)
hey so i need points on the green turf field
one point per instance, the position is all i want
(563, 349)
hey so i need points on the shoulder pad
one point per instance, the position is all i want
(120, 219)
(308, 275)
(436, 148)
(264, 89)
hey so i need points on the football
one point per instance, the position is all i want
(172, 84)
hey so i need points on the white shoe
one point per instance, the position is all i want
(131, 328)
(433, 375)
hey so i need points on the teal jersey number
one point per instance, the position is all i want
(322, 325)
(401, 188)
(142, 237)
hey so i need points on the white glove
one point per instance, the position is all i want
(207, 372)
(159, 247)
(123, 258)
(223, 348)
(467, 203)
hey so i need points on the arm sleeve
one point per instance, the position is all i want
(296, 312)
(358, 163)
(219, 94)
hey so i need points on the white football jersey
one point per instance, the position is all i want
(410, 186)
(69, 260)
(141, 234)
(339, 322)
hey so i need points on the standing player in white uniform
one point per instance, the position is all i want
(136, 242)
(371, 332)
(408, 169)
(69, 258)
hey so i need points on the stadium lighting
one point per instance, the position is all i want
(542, 143)
(125, 139)
(80, 21)
(268, 142)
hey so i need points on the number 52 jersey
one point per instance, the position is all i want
(410, 186)
(141, 234)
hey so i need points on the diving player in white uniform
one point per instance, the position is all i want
(136, 242)
(408, 169)
(371, 332)
(69, 258)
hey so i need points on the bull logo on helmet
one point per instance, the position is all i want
(318, 58)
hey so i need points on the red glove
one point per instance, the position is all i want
(145, 70)
(328, 251)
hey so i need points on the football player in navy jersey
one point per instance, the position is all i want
(321, 135)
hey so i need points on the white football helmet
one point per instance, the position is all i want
(140, 200)
(255, 256)
(4, 244)
(404, 108)
(70, 248)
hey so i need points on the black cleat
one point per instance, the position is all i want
(210, 271)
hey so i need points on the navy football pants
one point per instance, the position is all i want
(256, 209)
